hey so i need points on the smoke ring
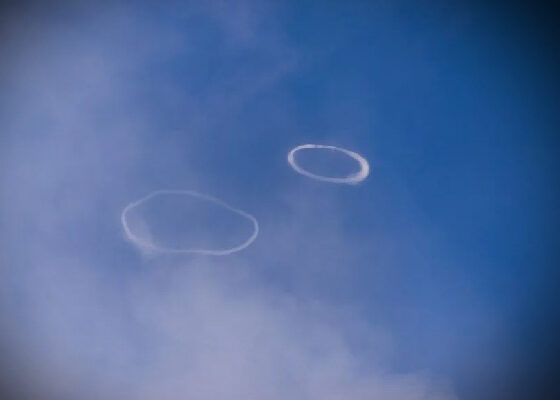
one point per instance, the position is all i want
(151, 246)
(351, 179)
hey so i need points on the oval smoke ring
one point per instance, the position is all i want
(351, 179)
(148, 245)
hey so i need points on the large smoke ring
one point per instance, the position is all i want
(153, 247)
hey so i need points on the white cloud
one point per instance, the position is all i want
(97, 321)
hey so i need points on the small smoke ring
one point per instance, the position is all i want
(130, 235)
(351, 179)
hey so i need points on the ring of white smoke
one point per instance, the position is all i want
(350, 179)
(153, 247)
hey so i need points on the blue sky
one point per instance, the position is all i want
(433, 278)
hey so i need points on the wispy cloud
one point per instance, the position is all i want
(93, 319)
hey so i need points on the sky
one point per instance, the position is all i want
(434, 278)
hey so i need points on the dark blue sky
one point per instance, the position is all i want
(452, 105)
(449, 245)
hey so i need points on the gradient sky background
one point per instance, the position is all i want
(433, 279)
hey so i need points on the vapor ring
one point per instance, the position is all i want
(150, 246)
(350, 179)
